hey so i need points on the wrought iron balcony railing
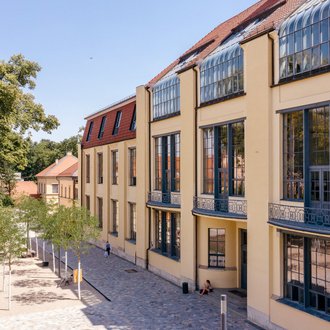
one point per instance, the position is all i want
(299, 216)
(227, 207)
(172, 199)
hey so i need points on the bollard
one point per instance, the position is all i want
(223, 311)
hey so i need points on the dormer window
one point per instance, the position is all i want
(117, 123)
(166, 97)
(304, 40)
(133, 122)
(90, 129)
(101, 131)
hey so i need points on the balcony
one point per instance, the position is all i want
(316, 220)
(223, 208)
(157, 198)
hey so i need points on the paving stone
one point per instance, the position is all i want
(139, 300)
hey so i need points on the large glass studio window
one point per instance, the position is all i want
(238, 159)
(304, 40)
(310, 126)
(224, 160)
(208, 161)
(167, 163)
(293, 156)
(307, 272)
(167, 233)
(222, 74)
(319, 122)
(166, 97)
(294, 268)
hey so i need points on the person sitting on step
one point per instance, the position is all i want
(206, 288)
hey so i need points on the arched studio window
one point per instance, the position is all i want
(166, 97)
(222, 74)
(304, 40)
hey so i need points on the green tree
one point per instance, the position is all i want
(78, 229)
(12, 241)
(32, 212)
(19, 113)
(71, 228)
(8, 178)
(44, 153)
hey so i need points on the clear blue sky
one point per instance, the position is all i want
(95, 52)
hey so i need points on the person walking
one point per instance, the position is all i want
(107, 249)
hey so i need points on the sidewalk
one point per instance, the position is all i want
(37, 302)
(142, 300)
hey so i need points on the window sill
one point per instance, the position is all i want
(165, 255)
(166, 116)
(221, 269)
(304, 75)
(221, 99)
(292, 200)
(308, 310)
(132, 241)
(115, 234)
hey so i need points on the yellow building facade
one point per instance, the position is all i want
(108, 175)
(233, 166)
(48, 181)
(68, 186)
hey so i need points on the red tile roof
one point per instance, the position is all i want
(277, 10)
(72, 171)
(127, 108)
(58, 167)
(28, 188)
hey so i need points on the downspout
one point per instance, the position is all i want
(196, 178)
(273, 60)
(149, 183)
(81, 175)
(59, 248)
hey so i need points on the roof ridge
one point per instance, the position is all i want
(253, 7)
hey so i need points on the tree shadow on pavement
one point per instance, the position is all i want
(38, 297)
(32, 283)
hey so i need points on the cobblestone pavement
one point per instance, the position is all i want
(139, 300)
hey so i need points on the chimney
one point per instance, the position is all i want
(69, 153)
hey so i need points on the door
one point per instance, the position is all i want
(320, 187)
(243, 259)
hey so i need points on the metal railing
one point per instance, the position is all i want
(299, 214)
(171, 198)
(225, 205)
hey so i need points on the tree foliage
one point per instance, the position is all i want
(8, 179)
(33, 213)
(19, 113)
(44, 153)
(11, 235)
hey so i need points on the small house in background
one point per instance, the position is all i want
(48, 181)
(68, 185)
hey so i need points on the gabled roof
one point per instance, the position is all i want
(72, 171)
(273, 12)
(127, 108)
(59, 166)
